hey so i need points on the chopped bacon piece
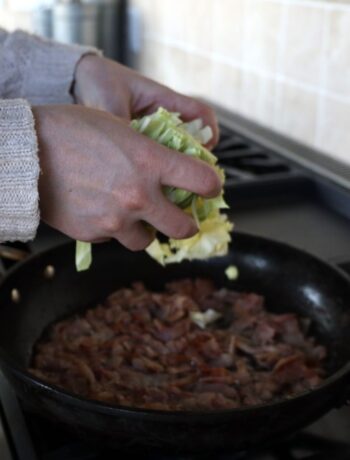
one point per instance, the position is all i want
(142, 349)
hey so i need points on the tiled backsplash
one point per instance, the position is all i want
(284, 63)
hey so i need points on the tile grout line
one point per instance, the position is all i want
(323, 79)
(280, 60)
(213, 69)
(241, 66)
(345, 6)
(245, 35)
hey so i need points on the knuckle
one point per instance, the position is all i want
(203, 110)
(206, 110)
(111, 225)
(151, 208)
(144, 156)
(134, 199)
(136, 246)
(82, 236)
(183, 230)
(139, 244)
(195, 105)
(212, 182)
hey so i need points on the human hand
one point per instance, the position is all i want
(112, 194)
(104, 84)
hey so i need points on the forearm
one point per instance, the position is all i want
(19, 172)
(39, 70)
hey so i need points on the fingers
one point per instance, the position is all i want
(169, 219)
(190, 109)
(117, 106)
(136, 236)
(182, 171)
(156, 95)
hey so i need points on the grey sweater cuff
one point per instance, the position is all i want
(19, 172)
(45, 69)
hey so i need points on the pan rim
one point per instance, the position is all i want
(99, 406)
(181, 415)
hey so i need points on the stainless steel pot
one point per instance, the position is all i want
(74, 21)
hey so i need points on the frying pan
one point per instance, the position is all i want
(290, 279)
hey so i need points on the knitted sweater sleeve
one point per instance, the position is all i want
(19, 172)
(37, 69)
(32, 71)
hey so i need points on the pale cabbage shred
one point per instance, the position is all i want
(202, 319)
(232, 272)
(213, 236)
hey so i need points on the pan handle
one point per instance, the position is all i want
(11, 253)
(343, 398)
(346, 401)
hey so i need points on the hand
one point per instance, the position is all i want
(107, 85)
(112, 194)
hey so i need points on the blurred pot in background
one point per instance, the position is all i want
(42, 20)
(75, 22)
(100, 23)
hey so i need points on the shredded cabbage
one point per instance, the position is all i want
(231, 272)
(202, 319)
(213, 236)
(211, 240)
(168, 129)
(83, 256)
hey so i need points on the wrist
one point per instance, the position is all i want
(39, 114)
(84, 68)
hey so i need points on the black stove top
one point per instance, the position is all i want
(277, 189)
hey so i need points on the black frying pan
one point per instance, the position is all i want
(290, 279)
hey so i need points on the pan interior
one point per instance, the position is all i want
(289, 279)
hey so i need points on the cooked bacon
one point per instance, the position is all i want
(264, 333)
(141, 349)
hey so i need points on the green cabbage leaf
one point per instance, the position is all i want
(214, 229)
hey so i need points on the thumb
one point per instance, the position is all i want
(116, 106)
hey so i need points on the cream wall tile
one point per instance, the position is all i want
(142, 4)
(296, 112)
(338, 52)
(200, 76)
(228, 28)
(199, 24)
(262, 35)
(153, 13)
(167, 65)
(181, 71)
(6, 20)
(175, 17)
(175, 69)
(227, 86)
(188, 22)
(234, 51)
(334, 132)
(258, 98)
(304, 43)
(150, 61)
(11, 20)
(164, 20)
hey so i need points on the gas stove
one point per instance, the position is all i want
(276, 188)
